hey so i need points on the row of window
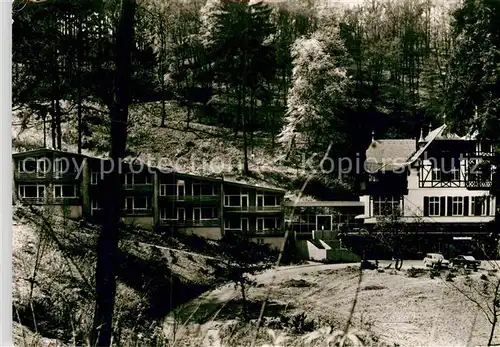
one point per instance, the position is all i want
(38, 191)
(261, 224)
(435, 206)
(43, 166)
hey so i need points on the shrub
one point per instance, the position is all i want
(450, 276)
(484, 277)
(301, 324)
(414, 272)
(434, 272)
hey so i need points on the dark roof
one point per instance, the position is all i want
(388, 154)
(161, 170)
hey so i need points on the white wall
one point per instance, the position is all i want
(414, 200)
(315, 253)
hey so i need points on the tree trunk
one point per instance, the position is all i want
(163, 110)
(58, 124)
(44, 117)
(244, 300)
(53, 124)
(495, 313)
(79, 111)
(109, 236)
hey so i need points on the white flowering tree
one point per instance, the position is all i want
(319, 83)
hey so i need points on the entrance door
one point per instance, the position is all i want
(244, 202)
(197, 214)
(260, 202)
(324, 222)
(181, 214)
(244, 225)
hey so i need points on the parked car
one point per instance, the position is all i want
(433, 259)
(466, 261)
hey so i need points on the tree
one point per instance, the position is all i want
(244, 59)
(241, 258)
(319, 83)
(109, 236)
(473, 94)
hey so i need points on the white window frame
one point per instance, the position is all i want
(132, 175)
(164, 213)
(257, 230)
(197, 209)
(484, 205)
(241, 200)
(163, 189)
(380, 202)
(433, 202)
(37, 191)
(179, 209)
(247, 223)
(75, 194)
(457, 201)
(40, 172)
(94, 205)
(201, 184)
(227, 200)
(180, 183)
(455, 174)
(94, 178)
(21, 164)
(57, 167)
(133, 203)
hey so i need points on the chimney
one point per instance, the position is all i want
(373, 135)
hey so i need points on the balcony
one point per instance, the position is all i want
(478, 184)
(139, 188)
(46, 177)
(253, 209)
(73, 201)
(190, 223)
(252, 232)
(191, 198)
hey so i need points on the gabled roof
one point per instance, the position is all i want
(436, 133)
(388, 154)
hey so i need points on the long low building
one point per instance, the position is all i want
(152, 198)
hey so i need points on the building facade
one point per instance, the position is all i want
(152, 198)
(437, 184)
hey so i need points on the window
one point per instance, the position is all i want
(31, 191)
(58, 167)
(234, 224)
(455, 174)
(141, 203)
(181, 188)
(167, 214)
(42, 166)
(384, 206)
(434, 206)
(167, 189)
(208, 213)
(458, 206)
(232, 200)
(266, 224)
(201, 189)
(181, 214)
(135, 178)
(480, 206)
(137, 203)
(27, 165)
(270, 200)
(196, 214)
(94, 178)
(65, 191)
(94, 205)
(436, 174)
